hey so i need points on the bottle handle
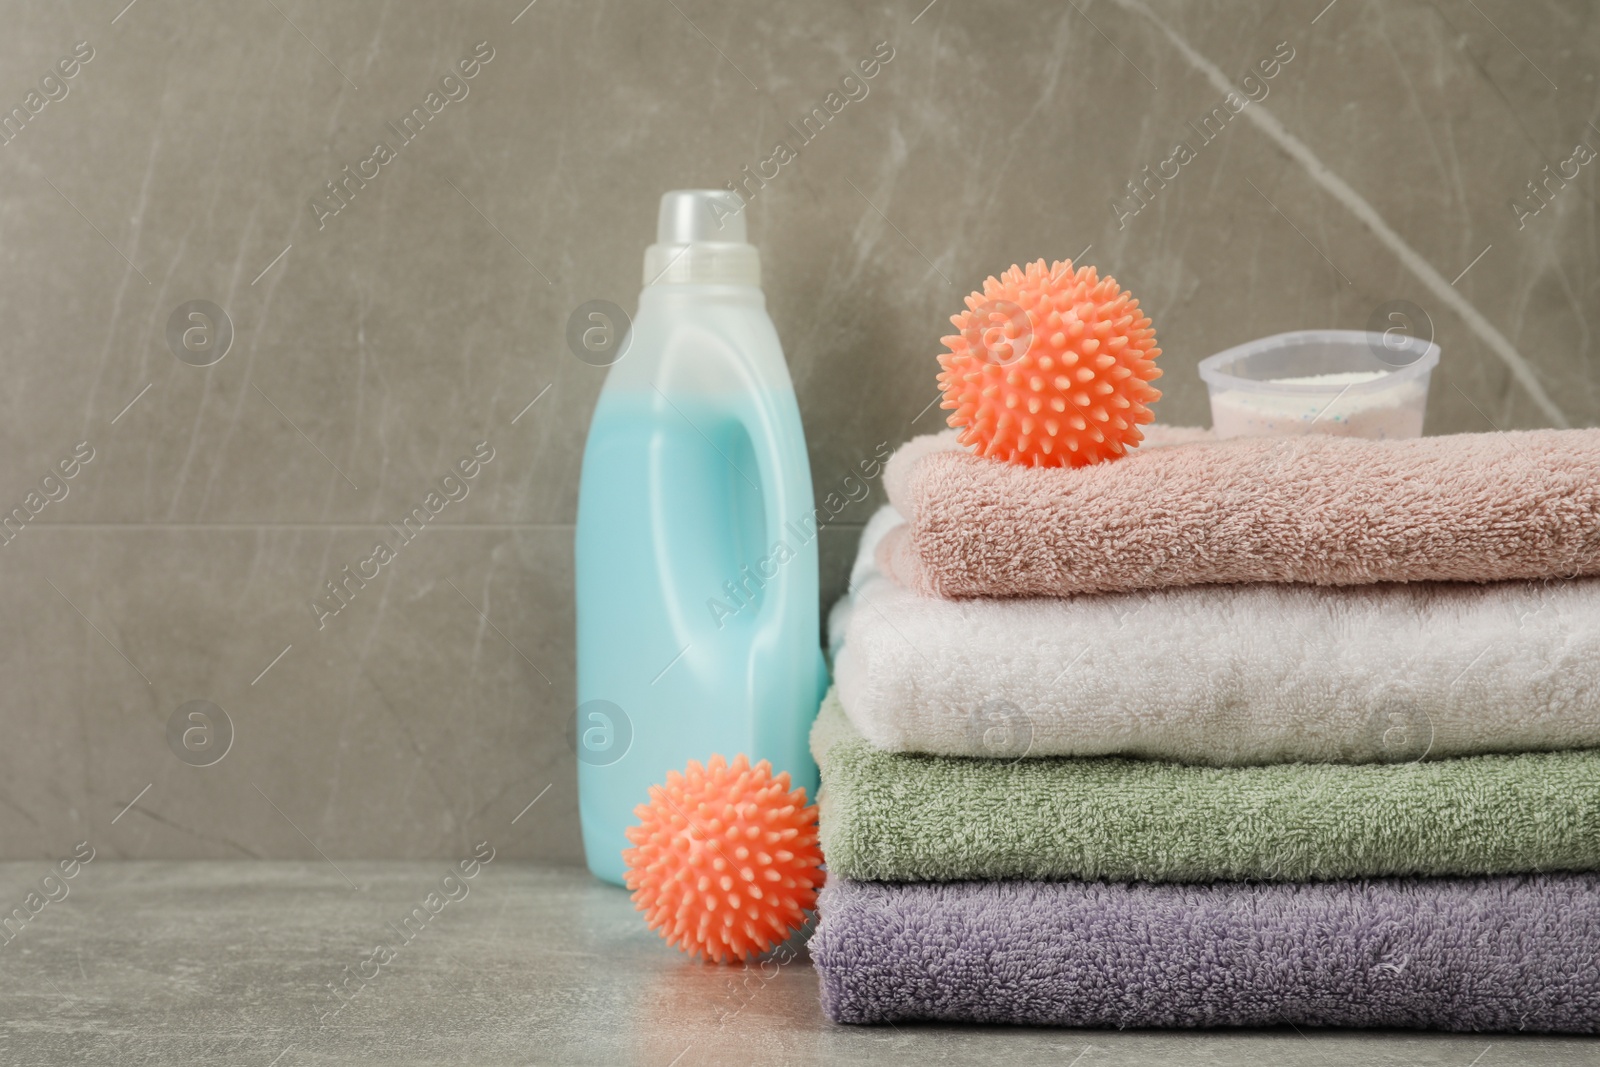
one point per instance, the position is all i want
(777, 506)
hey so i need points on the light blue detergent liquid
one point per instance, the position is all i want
(698, 630)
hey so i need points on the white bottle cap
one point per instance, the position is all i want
(700, 239)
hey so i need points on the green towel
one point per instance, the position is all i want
(903, 817)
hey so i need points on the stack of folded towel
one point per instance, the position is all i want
(1251, 732)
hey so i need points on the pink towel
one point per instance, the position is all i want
(1190, 510)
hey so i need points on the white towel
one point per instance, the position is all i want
(864, 570)
(1227, 675)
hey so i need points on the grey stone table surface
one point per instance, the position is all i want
(236, 962)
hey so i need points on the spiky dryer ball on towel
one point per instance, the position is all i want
(1051, 368)
(725, 859)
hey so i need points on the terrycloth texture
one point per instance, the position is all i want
(864, 570)
(1227, 675)
(908, 818)
(1515, 953)
(1318, 509)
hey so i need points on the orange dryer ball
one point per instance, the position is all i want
(1052, 368)
(726, 859)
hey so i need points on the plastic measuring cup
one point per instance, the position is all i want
(1346, 382)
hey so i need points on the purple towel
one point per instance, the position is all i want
(1504, 953)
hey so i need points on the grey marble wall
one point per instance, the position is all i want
(374, 347)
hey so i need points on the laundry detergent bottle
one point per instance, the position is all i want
(696, 542)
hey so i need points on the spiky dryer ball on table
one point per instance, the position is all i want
(725, 859)
(1052, 368)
